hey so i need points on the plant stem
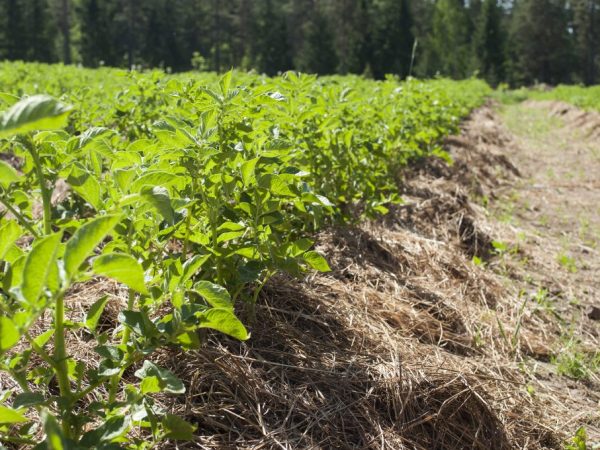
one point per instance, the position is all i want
(114, 380)
(60, 357)
(46, 193)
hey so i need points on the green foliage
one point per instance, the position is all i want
(190, 193)
(579, 441)
(582, 97)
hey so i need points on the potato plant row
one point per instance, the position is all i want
(190, 191)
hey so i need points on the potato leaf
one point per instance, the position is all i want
(39, 112)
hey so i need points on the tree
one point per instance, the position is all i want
(15, 38)
(448, 41)
(489, 42)
(97, 36)
(318, 53)
(541, 43)
(393, 38)
(586, 15)
(270, 50)
(64, 21)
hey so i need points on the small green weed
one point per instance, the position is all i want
(571, 361)
(567, 262)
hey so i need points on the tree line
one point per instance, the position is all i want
(514, 41)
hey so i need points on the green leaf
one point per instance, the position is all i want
(192, 266)
(39, 112)
(8, 99)
(225, 321)
(85, 240)
(247, 170)
(177, 428)
(168, 381)
(139, 323)
(38, 266)
(150, 385)
(95, 312)
(28, 399)
(9, 415)
(43, 338)
(154, 178)
(225, 82)
(122, 268)
(108, 368)
(9, 233)
(277, 185)
(55, 440)
(230, 235)
(158, 197)
(8, 174)
(113, 428)
(216, 296)
(300, 246)
(316, 261)
(86, 186)
(9, 334)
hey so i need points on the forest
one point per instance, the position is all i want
(520, 42)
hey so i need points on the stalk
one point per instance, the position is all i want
(114, 380)
(46, 193)
(62, 371)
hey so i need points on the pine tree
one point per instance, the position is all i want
(540, 42)
(449, 39)
(15, 40)
(97, 37)
(393, 38)
(318, 53)
(489, 41)
(270, 48)
(587, 34)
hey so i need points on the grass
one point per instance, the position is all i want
(529, 122)
(567, 262)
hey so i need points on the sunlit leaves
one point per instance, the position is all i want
(85, 240)
(8, 174)
(39, 112)
(225, 321)
(122, 268)
(216, 296)
(9, 233)
(39, 265)
(9, 334)
(9, 416)
(316, 261)
(159, 380)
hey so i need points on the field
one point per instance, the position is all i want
(190, 193)
(238, 261)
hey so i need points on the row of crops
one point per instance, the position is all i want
(189, 191)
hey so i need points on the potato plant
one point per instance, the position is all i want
(190, 194)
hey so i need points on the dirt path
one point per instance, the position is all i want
(558, 198)
(552, 217)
